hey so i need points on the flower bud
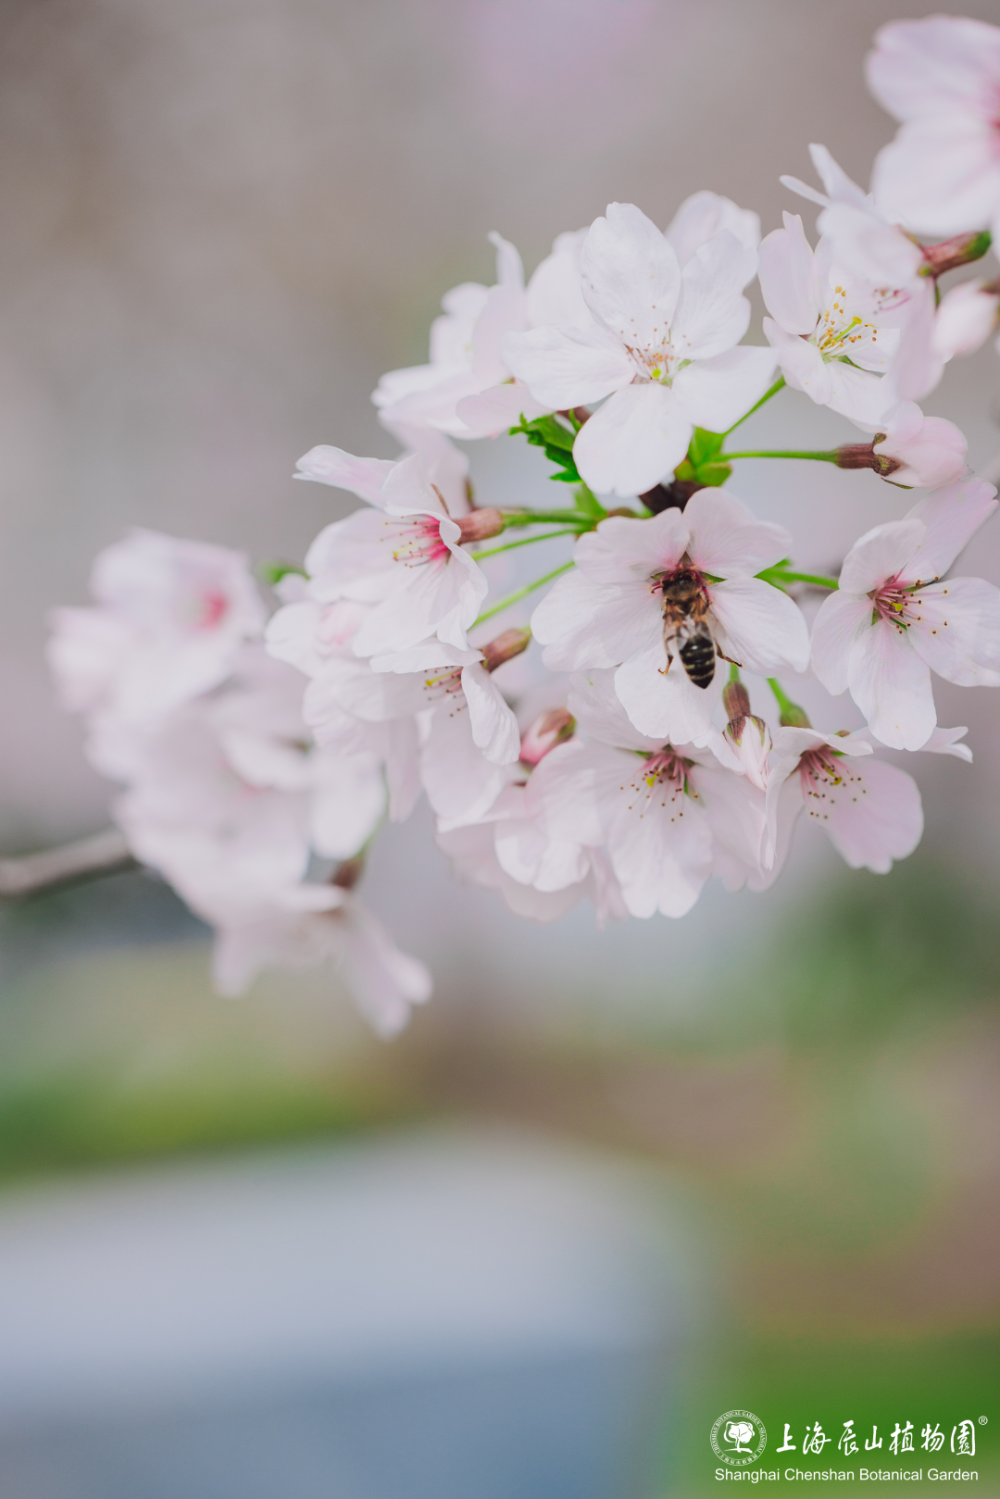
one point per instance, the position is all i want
(480, 525)
(547, 730)
(505, 647)
(953, 253)
(736, 700)
(750, 738)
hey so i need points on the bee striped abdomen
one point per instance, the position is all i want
(698, 659)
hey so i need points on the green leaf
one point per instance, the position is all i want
(704, 446)
(589, 504)
(556, 440)
(714, 474)
(273, 572)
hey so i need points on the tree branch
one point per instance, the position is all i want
(85, 859)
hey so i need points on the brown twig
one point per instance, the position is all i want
(85, 859)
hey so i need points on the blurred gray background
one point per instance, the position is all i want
(222, 221)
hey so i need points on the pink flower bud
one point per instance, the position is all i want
(547, 730)
(750, 737)
(505, 647)
(480, 525)
(926, 452)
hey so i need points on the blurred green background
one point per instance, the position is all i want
(823, 1112)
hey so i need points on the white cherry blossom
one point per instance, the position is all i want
(668, 815)
(702, 216)
(940, 77)
(895, 618)
(442, 699)
(263, 925)
(466, 389)
(403, 556)
(608, 611)
(539, 875)
(920, 452)
(835, 333)
(969, 314)
(870, 810)
(661, 348)
(171, 619)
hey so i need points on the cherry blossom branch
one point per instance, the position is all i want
(527, 541)
(575, 518)
(819, 455)
(790, 714)
(522, 593)
(84, 859)
(779, 384)
(781, 575)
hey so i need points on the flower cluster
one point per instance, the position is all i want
(596, 741)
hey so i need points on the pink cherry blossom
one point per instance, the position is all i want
(875, 251)
(539, 875)
(404, 556)
(835, 333)
(608, 611)
(445, 699)
(704, 215)
(924, 452)
(895, 618)
(969, 314)
(261, 925)
(661, 348)
(171, 619)
(466, 388)
(668, 815)
(940, 77)
(871, 811)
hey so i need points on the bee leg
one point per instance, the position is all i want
(728, 658)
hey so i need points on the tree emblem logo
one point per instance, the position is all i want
(738, 1438)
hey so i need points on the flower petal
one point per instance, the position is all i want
(726, 536)
(585, 624)
(494, 727)
(636, 437)
(362, 476)
(957, 631)
(801, 362)
(664, 704)
(715, 393)
(952, 516)
(882, 553)
(841, 620)
(892, 687)
(631, 552)
(787, 277)
(568, 367)
(873, 817)
(713, 314)
(631, 277)
(762, 628)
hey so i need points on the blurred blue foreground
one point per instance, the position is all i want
(474, 1318)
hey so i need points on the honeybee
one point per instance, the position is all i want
(685, 626)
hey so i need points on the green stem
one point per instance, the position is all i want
(783, 575)
(779, 384)
(818, 455)
(526, 541)
(789, 713)
(574, 518)
(734, 672)
(521, 593)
